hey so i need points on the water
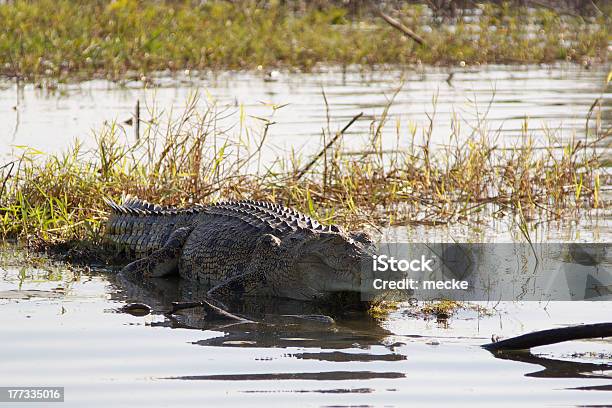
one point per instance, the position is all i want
(555, 97)
(63, 327)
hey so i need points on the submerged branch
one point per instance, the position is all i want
(212, 312)
(552, 336)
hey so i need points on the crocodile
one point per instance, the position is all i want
(238, 248)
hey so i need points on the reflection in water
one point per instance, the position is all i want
(73, 328)
(322, 376)
(272, 322)
(276, 324)
(321, 391)
(554, 368)
(594, 388)
(338, 356)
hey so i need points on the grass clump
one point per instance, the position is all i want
(382, 309)
(70, 40)
(443, 309)
(187, 158)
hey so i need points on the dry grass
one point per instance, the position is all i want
(187, 158)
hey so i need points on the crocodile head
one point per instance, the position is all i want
(327, 263)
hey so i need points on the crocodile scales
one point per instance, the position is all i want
(239, 247)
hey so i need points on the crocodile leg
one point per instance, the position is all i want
(162, 262)
(254, 280)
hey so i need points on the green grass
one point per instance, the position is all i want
(48, 199)
(72, 40)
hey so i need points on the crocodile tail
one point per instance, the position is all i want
(136, 206)
(141, 227)
(110, 203)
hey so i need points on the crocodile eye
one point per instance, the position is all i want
(362, 237)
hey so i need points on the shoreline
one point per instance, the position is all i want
(135, 80)
(144, 38)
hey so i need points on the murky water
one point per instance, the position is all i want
(553, 97)
(63, 327)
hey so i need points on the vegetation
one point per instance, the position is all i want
(50, 199)
(71, 40)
